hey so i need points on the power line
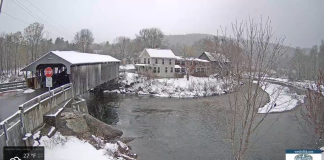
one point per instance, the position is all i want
(25, 22)
(35, 16)
(14, 17)
(47, 15)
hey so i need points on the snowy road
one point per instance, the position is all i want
(9, 105)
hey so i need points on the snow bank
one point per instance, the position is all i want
(72, 148)
(280, 99)
(127, 67)
(298, 84)
(11, 78)
(172, 87)
(29, 91)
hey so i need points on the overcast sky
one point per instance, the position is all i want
(301, 21)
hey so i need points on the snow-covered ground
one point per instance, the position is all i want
(29, 90)
(281, 99)
(11, 78)
(304, 84)
(127, 67)
(173, 87)
(61, 147)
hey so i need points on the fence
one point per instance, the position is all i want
(12, 86)
(30, 116)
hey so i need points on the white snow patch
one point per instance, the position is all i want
(29, 91)
(72, 148)
(50, 132)
(28, 134)
(56, 113)
(36, 135)
(280, 97)
(127, 67)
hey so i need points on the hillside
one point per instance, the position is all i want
(189, 39)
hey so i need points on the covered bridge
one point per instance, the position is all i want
(84, 70)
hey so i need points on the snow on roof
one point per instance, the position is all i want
(192, 59)
(197, 59)
(178, 57)
(161, 53)
(177, 66)
(80, 58)
(216, 57)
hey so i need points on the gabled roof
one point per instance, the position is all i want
(69, 58)
(216, 57)
(82, 58)
(160, 53)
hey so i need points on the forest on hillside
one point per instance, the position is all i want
(22, 47)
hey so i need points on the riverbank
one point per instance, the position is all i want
(133, 83)
(81, 136)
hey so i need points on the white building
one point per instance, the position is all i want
(157, 62)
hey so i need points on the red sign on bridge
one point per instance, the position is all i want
(48, 72)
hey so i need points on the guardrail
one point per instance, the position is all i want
(29, 117)
(12, 86)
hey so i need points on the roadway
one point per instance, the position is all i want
(9, 104)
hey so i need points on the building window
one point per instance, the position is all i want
(144, 60)
(158, 69)
(162, 61)
(154, 70)
(166, 69)
(148, 61)
(156, 61)
(170, 62)
(183, 70)
(171, 70)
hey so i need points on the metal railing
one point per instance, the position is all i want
(12, 86)
(29, 117)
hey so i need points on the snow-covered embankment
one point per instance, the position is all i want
(172, 87)
(281, 98)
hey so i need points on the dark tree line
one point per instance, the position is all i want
(303, 66)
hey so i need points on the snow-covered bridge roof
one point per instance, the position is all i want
(69, 58)
(84, 58)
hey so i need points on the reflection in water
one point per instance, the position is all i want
(103, 106)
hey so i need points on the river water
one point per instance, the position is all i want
(192, 129)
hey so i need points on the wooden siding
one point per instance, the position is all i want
(86, 77)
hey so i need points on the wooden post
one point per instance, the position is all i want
(72, 91)
(51, 95)
(62, 89)
(5, 127)
(22, 119)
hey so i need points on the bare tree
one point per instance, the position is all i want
(84, 39)
(151, 38)
(313, 113)
(17, 39)
(33, 35)
(254, 39)
(122, 45)
(188, 52)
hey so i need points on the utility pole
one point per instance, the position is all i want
(1, 1)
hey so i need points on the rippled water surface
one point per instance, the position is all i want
(191, 129)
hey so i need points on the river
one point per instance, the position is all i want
(192, 129)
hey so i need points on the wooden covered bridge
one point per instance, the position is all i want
(74, 74)
(84, 70)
